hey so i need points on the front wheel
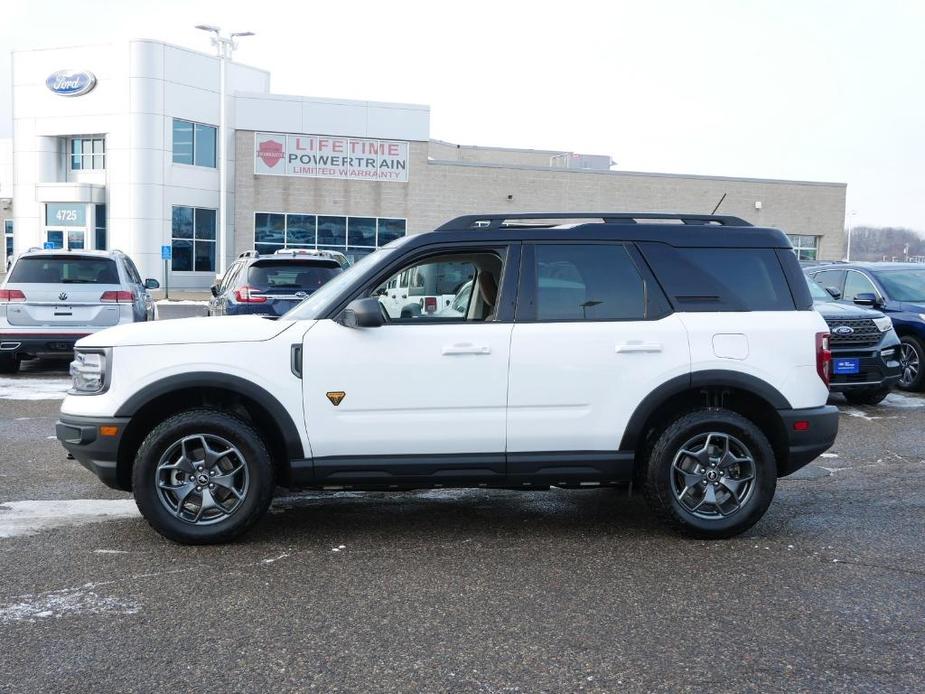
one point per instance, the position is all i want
(711, 474)
(911, 357)
(203, 476)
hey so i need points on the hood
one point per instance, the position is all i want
(188, 331)
(832, 309)
(909, 307)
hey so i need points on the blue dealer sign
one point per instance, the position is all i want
(71, 82)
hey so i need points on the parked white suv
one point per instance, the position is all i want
(685, 356)
(52, 298)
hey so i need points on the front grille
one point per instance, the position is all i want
(865, 332)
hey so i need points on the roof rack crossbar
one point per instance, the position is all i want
(497, 221)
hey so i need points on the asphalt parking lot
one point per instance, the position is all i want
(486, 591)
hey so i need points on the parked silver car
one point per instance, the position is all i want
(52, 298)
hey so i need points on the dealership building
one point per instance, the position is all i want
(116, 146)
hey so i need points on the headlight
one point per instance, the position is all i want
(88, 372)
(884, 323)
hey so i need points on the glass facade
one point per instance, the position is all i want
(806, 247)
(193, 143)
(193, 239)
(8, 238)
(100, 228)
(353, 236)
(88, 153)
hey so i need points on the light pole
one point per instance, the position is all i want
(225, 46)
(848, 250)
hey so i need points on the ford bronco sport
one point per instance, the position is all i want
(680, 352)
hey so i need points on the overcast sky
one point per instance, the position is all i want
(799, 89)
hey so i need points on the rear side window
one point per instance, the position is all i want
(64, 270)
(595, 282)
(720, 279)
(293, 275)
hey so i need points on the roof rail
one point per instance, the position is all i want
(497, 221)
(250, 254)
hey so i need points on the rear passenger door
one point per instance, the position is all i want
(593, 336)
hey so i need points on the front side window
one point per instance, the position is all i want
(88, 153)
(193, 239)
(193, 143)
(856, 283)
(461, 286)
(580, 282)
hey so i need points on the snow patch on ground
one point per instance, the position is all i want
(62, 603)
(830, 455)
(19, 518)
(181, 302)
(902, 401)
(33, 388)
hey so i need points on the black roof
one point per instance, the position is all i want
(676, 229)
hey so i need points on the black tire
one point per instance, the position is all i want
(659, 475)
(908, 381)
(218, 425)
(867, 396)
(9, 364)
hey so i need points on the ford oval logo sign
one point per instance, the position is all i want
(843, 330)
(71, 82)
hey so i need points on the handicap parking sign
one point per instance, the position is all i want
(166, 252)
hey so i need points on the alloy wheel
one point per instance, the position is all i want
(202, 479)
(713, 475)
(909, 362)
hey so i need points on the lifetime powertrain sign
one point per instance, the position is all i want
(324, 156)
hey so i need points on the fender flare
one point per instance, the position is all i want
(235, 384)
(696, 379)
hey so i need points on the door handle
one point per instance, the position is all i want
(636, 346)
(466, 348)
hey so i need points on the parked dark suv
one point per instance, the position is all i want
(865, 349)
(273, 284)
(897, 289)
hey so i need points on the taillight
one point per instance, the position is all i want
(430, 304)
(11, 295)
(249, 295)
(823, 357)
(117, 297)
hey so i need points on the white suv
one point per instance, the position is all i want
(683, 353)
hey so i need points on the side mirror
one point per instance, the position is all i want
(833, 292)
(214, 289)
(152, 284)
(866, 299)
(364, 313)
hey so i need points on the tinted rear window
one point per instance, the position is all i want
(64, 270)
(292, 275)
(720, 279)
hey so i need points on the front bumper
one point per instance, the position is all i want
(83, 439)
(39, 342)
(875, 371)
(810, 433)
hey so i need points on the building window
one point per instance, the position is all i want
(193, 143)
(88, 153)
(193, 239)
(8, 238)
(353, 236)
(100, 228)
(806, 247)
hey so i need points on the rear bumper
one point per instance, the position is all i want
(82, 438)
(810, 432)
(39, 342)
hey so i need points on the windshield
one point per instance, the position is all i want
(315, 306)
(904, 285)
(56, 269)
(818, 293)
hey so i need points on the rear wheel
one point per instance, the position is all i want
(711, 474)
(9, 364)
(203, 476)
(867, 396)
(911, 358)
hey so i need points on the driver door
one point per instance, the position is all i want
(424, 396)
